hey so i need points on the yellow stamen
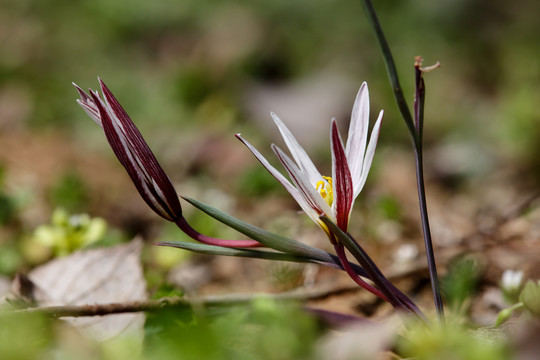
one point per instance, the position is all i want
(325, 189)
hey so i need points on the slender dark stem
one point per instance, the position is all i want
(390, 68)
(427, 236)
(415, 130)
(404, 299)
(381, 280)
(419, 100)
(340, 251)
(395, 297)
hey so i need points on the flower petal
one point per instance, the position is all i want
(342, 183)
(298, 152)
(134, 154)
(310, 195)
(370, 152)
(295, 193)
(88, 105)
(358, 132)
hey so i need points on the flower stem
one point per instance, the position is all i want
(395, 297)
(191, 232)
(415, 128)
(340, 251)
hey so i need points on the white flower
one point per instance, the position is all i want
(511, 280)
(320, 195)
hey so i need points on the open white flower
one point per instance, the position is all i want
(320, 195)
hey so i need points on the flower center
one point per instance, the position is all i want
(325, 189)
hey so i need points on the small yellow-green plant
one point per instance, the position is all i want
(67, 233)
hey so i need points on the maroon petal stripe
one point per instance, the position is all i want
(342, 180)
(88, 105)
(306, 189)
(134, 154)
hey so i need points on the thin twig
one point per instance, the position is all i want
(180, 303)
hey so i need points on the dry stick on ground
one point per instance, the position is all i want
(178, 302)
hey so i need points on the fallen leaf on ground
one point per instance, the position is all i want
(97, 276)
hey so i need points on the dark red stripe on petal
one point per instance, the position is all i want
(88, 105)
(342, 180)
(134, 154)
(84, 96)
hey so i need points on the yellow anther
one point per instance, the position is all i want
(329, 179)
(325, 189)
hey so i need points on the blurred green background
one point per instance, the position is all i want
(181, 66)
(193, 73)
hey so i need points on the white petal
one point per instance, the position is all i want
(358, 132)
(298, 152)
(90, 110)
(295, 193)
(369, 156)
(88, 105)
(307, 190)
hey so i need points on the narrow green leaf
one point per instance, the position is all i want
(224, 251)
(398, 299)
(273, 241)
(266, 238)
(346, 240)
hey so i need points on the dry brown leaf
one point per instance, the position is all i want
(97, 276)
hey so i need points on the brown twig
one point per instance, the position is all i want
(181, 303)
